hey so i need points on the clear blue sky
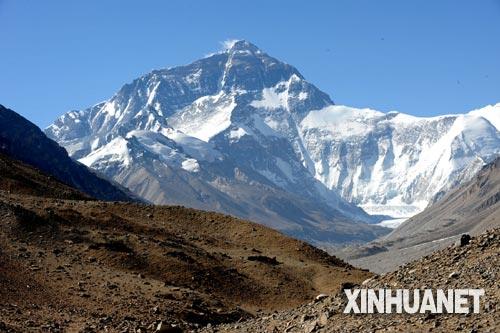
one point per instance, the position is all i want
(419, 57)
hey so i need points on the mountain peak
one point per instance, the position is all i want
(240, 45)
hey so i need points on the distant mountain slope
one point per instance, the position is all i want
(473, 208)
(22, 140)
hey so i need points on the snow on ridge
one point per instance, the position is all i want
(194, 78)
(190, 165)
(110, 109)
(115, 151)
(378, 160)
(490, 113)
(395, 163)
(266, 126)
(302, 96)
(206, 117)
(229, 44)
(196, 148)
(272, 99)
(152, 93)
(236, 134)
(225, 46)
(277, 96)
(335, 116)
(340, 120)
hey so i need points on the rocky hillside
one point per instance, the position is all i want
(472, 208)
(71, 264)
(22, 140)
(22, 179)
(474, 265)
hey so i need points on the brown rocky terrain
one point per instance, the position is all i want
(72, 264)
(475, 265)
(22, 179)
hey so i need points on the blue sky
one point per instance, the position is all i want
(419, 57)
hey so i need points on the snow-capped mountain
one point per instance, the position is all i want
(395, 164)
(243, 133)
(219, 134)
